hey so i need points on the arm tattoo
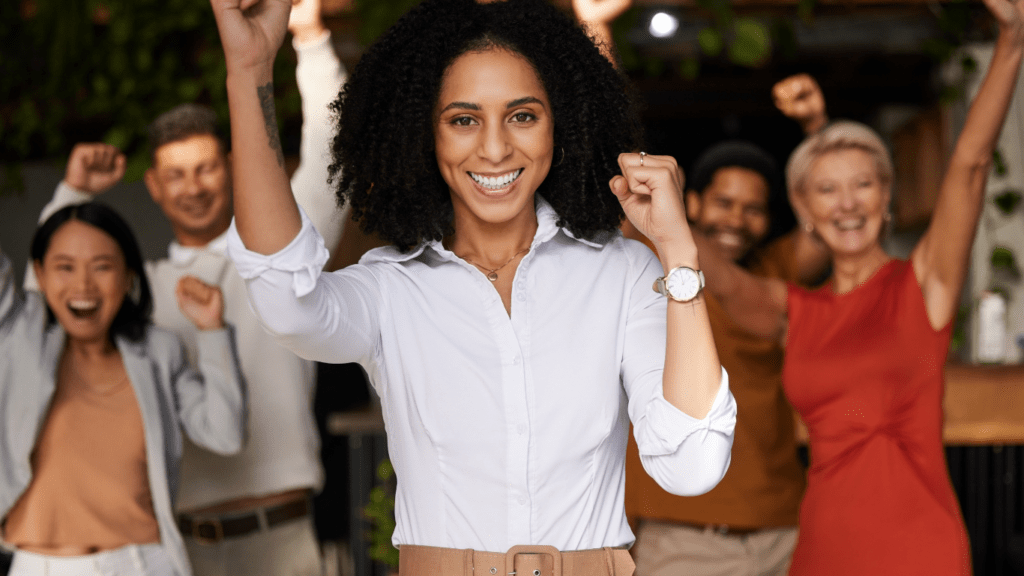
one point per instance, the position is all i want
(266, 96)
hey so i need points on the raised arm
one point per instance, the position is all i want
(251, 32)
(799, 97)
(319, 75)
(940, 258)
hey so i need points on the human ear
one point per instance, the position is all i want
(693, 205)
(153, 185)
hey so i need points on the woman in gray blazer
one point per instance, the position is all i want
(93, 399)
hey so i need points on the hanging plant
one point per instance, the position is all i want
(1007, 201)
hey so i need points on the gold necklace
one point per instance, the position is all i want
(492, 273)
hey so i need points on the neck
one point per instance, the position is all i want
(850, 271)
(198, 239)
(90, 349)
(492, 245)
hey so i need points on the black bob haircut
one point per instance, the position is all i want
(384, 148)
(738, 153)
(137, 308)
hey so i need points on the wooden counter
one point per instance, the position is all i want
(984, 404)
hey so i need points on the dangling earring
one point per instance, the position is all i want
(887, 217)
(560, 158)
(808, 227)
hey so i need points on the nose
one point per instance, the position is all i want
(734, 218)
(847, 198)
(190, 185)
(494, 142)
(83, 279)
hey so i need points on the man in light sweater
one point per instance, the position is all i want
(248, 514)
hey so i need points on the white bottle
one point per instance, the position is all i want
(991, 328)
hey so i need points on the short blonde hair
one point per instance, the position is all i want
(841, 135)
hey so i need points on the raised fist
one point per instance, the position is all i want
(200, 302)
(799, 97)
(94, 167)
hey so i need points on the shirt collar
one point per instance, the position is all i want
(547, 228)
(184, 255)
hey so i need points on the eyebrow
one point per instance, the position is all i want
(510, 104)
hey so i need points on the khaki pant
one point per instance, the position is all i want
(288, 549)
(667, 549)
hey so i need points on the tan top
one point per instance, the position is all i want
(90, 489)
(765, 481)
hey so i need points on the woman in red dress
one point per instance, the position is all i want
(865, 353)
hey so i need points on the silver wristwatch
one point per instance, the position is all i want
(681, 284)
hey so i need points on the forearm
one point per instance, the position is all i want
(319, 76)
(692, 369)
(266, 214)
(988, 110)
(214, 401)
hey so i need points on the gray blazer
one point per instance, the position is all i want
(209, 405)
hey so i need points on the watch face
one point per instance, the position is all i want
(683, 284)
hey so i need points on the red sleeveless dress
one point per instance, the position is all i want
(864, 370)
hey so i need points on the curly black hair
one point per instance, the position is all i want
(384, 148)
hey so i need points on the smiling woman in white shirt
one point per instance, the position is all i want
(511, 332)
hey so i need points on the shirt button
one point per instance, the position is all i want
(521, 296)
(515, 359)
(522, 500)
(521, 429)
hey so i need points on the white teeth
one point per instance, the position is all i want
(83, 304)
(496, 182)
(846, 225)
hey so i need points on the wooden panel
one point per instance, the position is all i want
(920, 150)
(984, 404)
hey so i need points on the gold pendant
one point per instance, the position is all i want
(493, 276)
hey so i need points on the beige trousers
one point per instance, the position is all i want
(668, 549)
(288, 549)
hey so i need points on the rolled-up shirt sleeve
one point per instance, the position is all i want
(324, 316)
(686, 456)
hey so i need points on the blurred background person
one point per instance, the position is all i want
(249, 513)
(865, 352)
(94, 400)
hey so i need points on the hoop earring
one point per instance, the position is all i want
(560, 158)
(808, 227)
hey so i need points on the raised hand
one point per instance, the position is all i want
(650, 190)
(251, 31)
(305, 21)
(799, 97)
(600, 11)
(200, 302)
(1010, 15)
(94, 167)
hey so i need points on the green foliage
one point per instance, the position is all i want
(381, 512)
(998, 164)
(87, 70)
(752, 43)
(1007, 201)
(376, 16)
(1004, 261)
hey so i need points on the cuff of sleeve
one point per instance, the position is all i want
(320, 41)
(667, 426)
(66, 195)
(304, 257)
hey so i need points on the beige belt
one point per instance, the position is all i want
(518, 561)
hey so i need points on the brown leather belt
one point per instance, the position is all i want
(518, 561)
(213, 529)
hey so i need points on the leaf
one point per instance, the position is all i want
(1004, 260)
(998, 164)
(710, 41)
(1007, 201)
(752, 44)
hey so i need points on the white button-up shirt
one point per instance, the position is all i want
(502, 430)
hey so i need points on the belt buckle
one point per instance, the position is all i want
(510, 559)
(211, 523)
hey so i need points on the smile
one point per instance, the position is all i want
(496, 182)
(848, 224)
(83, 308)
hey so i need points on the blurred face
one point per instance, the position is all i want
(494, 136)
(191, 182)
(733, 210)
(84, 279)
(846, 201)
